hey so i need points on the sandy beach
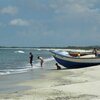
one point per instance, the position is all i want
(65, 84)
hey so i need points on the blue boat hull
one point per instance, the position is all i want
(70, 64)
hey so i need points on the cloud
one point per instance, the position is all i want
(77, 15)
(75, 7)
(9, 10)
(20, 22)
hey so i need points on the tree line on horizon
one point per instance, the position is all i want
(66, 47)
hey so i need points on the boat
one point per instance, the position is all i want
(77, 53)
(70, 61)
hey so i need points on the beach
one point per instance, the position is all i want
(65, 84)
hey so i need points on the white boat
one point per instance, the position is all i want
(69, 61)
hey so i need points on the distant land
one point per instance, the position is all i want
(67, 47)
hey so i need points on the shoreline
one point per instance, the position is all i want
(69, 84)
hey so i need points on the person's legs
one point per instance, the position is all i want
(31, 63)
(41, 63)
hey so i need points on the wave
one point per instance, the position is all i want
(49, 59)
(12, 71)
(16, 71)
(19, 51)
(25, 69)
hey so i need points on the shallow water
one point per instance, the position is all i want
(16, 60)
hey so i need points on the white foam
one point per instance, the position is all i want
(48, 59)
(78, 50)
(25, 69)
(12, 71)
(19, 51)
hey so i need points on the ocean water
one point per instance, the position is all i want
(16, 60)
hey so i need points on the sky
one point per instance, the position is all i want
(47, 23)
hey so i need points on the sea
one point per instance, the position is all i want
(16, 60)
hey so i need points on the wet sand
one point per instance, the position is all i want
(65, 84)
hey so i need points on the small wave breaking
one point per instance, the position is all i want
(25, 69)
(19, 51)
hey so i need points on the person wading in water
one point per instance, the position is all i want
(31, 58)
(41, 60)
